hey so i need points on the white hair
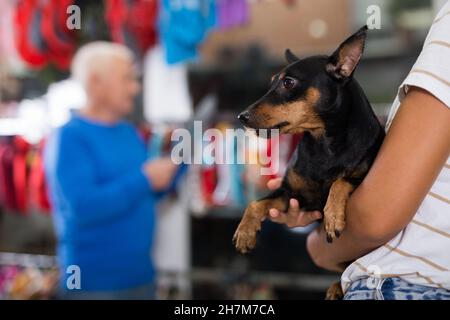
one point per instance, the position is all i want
(95, 57)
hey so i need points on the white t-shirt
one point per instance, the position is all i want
(420, 253)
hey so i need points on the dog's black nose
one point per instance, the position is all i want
(244, 116)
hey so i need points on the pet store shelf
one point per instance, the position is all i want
(311, 282)
(27, 260)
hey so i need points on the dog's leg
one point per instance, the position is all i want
(334, 292)
(334, 212)
(245, 235)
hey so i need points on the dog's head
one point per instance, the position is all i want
(306, 90)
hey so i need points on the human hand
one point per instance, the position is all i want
(160, 172)
(294, 217)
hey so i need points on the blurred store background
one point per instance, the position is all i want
(220, 58)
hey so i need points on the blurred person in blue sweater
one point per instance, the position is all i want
(102, 187)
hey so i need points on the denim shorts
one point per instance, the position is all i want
(393, 289)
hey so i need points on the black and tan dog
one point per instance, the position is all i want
(319, 97)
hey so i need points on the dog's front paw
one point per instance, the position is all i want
(334, 292)
(244, 239)
(245, 236)
(334, 211)
(334, 222)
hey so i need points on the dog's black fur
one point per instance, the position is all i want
(352, 136)
(319, 97)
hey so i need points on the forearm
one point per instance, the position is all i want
(352, 244)
(335, 256)
(181, 171)
(397, 183)
(370, 223)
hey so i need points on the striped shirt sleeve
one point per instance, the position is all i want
(432, 68)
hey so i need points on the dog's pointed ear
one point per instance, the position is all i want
(344, 60)
(290, 57)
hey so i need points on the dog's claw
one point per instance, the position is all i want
(332, 235)
(332, 226)
(329, 238)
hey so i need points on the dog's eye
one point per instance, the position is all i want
(289, 83)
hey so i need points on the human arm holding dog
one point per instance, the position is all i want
(389, 196)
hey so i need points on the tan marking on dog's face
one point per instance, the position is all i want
(300, 114)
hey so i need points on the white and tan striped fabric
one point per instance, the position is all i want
(420, 254)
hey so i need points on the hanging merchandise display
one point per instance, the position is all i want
(7, 196)
(27, 276)
(38, 197)
(183, 25)
(142, 22)
(228, 190)
(42, 35)
(222, 192)
(233, 184)
(30, 43)
(232, 13)
(116, 16)
(22, 178)
(166, 91)
(58, 37)
(133, 23)
(20, 171)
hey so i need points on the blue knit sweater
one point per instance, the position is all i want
(103, 205)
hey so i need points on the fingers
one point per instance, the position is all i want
(307, 217)
(294, 217)
(274, 213)
(274, 184)
(277, 216)
(290, 217)
(294, 208)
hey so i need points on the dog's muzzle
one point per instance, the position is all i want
(244, 117)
